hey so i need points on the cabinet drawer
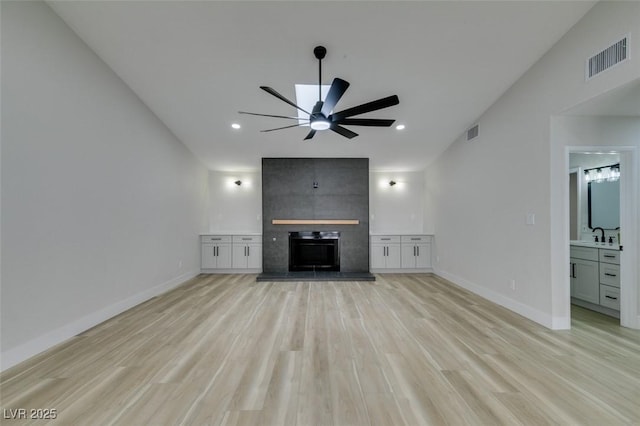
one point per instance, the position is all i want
(385, 239)
(585, 253)
(610, 297)
(610, 274)
(215, 238)
(610, 256)
(415, 238)
(247, 238)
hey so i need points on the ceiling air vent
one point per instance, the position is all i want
(606, 59)
(472, 132)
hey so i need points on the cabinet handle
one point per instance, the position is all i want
(609, 256)
(246, 239)
(573, 270)
(385, 239)
(248, 251)
(414, 251)
(610, 275)
(611, 297)
(418, 250)
(415, 239)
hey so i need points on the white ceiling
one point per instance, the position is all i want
(195, 64)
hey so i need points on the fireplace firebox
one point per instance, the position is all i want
(314, 251)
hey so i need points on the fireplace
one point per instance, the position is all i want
(314, 251)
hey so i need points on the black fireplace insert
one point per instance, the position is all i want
(314, 251)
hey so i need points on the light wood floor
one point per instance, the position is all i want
(406, 349)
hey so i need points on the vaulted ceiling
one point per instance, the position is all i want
(196, 64)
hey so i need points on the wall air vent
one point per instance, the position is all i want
(612, 55)
(472, 132)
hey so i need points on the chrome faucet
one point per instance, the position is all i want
(601, 230)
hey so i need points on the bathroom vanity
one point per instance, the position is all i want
(594, 269)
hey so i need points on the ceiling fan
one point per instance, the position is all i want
(321, 118)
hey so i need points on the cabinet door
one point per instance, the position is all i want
(254, 258)
(587, 280)
(207, 258)
(393, 256)
(408, 256)
(378, 256)
(223, 260)
(239, 256)
(423, 255)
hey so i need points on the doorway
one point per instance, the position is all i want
(594, 231)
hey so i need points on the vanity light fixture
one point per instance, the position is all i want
(238, 182)
(604, 173)
(392, 182)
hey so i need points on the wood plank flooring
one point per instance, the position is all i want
(402, 350)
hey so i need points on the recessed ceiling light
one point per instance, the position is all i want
(235, 126)
(400, 127)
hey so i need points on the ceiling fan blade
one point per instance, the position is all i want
(343, 131)
(365, 122)
(271, 115)
(285, 127)
(337, 89)
(368, 107)
(310, 135)
(282, 98)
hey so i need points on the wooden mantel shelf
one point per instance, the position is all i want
(315, 222)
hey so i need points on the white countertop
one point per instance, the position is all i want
(594, 245)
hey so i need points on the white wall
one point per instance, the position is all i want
(483, 190)
(101, 204)
(397, 209)
(235, 209)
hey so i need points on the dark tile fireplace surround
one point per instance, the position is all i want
(315, 189)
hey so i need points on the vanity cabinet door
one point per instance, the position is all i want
(585, 280)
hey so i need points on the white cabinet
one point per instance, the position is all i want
(401, 253)
(215, 251)
(247, 252)
(595, 277)
(231, 253)
(385, 252)
(610, 279)
(585, 284)
(416, 251)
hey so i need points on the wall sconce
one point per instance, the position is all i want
(392, 182)
(238, 182)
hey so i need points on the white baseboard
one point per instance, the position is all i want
(401, 271)
(33, 347)
(526, 311)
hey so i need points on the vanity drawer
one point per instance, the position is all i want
(610, 297)
(215, 238)
(385, 239)
(585, 253)
(610, 274)
(610, 256)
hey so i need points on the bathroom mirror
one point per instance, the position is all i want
(604, 204)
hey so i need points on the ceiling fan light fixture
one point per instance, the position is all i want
(320, 124)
